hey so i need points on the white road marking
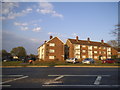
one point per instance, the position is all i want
(55, 80)
(58, 78)
(11, 75)
(13, 80)
(82, 85)
(97, 81)
(5, 85)
(81, 75)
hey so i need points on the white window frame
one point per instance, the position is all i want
(51, 50)
(84, 51)
(77, 46)
(77, 51)
(83, 45)
(95, 57)
(90, 47)
(51, 57)
(52, 44)
(95, 47)
(96, 52)
(83, 56)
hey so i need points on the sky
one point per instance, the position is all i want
(29, 24)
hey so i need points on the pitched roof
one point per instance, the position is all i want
(50, 40)
(85, 42)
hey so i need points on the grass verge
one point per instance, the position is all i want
(54, 63)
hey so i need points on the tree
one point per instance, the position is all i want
(32, 55)
(18, 51)
(113, 43)
(116, 33)
(5, 54)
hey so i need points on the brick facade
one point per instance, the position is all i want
(82, 49)
(53, 50)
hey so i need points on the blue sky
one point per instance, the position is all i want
(30, 24)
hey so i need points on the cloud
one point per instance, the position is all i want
(24, 28)
(47, 8)
(7, 7)
(11, 40)
(37, 29)
(34, 40)
(20, 24)
(74, 34)
(8, 11)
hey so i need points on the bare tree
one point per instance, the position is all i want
(113, 43)
(116, 34)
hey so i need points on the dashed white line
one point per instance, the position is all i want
(97, 81)
(58, 78)
(5, 85)
(11, 75)
(55, 80)
(81, 75)
(13, 80)
(81, 85)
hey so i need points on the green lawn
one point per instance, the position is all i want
(54, 63)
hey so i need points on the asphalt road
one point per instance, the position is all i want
(60, 77)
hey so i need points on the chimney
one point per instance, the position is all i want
(88, 39)
(51, 37)
(76, 38)
(45, 41)
(102, 41)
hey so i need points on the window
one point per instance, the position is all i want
(83, 46)
(108, 57)
(104, 57)
(104, 47)
(77, 46)
(51, 50)
(83, 51)
(99, 47)
(51, 57)
(104, 52)
(99, 52)
(77, 56)
(95, 51)
(95, 47)
(90, 47)
(52, 44)
(109, 49)
(83, 56)
(90, 56)
(95, 57)
(77, 51)
(109, 53)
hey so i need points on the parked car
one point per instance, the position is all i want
(109, 61)
(72, 60)
(88, 61)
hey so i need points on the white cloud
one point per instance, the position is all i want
(20, 24)
(8, 11)
(37, 29)
(24, 28)
(47, 8)
(49, 33)
(29, 9)
(7, 7)
(74, 34)
(34, 40)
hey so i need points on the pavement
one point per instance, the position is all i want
(62, 66)
(60, 77)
